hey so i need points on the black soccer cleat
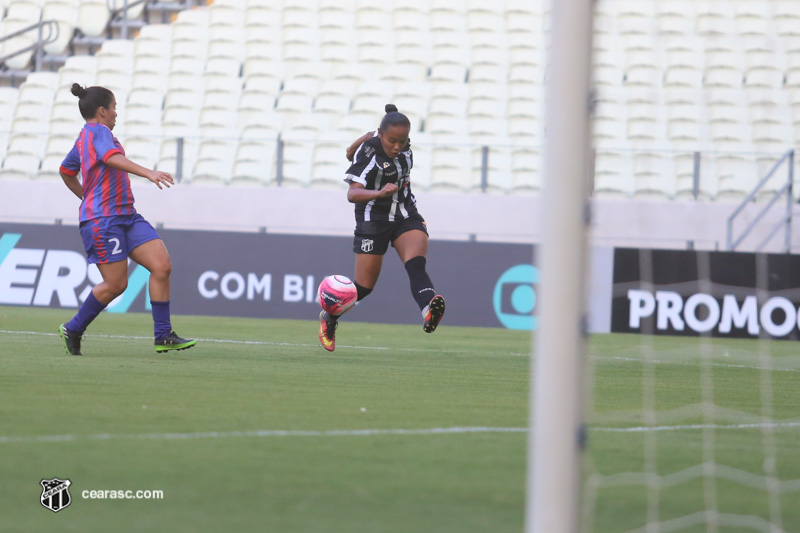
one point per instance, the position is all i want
(72, 340)
(434, 314)
(173, 342)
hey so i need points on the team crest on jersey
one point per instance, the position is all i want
(385, 164)
(55, 493)
(367, 245)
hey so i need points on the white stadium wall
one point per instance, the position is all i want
(482, 217)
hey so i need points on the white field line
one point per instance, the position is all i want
(360, 432)
(221, 341)
(723, 365)
(424, 350)
(648, 429)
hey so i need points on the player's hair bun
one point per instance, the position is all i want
(77, 90)
(391, 108)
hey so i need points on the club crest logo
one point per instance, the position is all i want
(367, 245)
(385, 164)
(55, 493)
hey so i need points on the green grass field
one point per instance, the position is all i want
(187, 423)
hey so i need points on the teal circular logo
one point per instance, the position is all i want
(514, 297)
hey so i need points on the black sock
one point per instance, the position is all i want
(362, 291)
(421, 284)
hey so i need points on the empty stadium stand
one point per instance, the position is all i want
(269, 93)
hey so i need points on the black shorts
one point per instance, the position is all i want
(373, 238)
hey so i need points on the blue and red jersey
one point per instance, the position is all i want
(106, 190)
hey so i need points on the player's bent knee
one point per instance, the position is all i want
(117, 287)
(162, 269)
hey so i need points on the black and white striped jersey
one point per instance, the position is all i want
(372, 168)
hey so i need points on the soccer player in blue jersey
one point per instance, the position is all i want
(111, 229)
(386, 213)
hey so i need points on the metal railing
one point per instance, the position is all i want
(53, 32)
(785, 221)
(121, 15)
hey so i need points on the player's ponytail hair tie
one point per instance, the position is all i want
(77, 90)
(391, 108)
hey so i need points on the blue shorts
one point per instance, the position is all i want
(111, 239)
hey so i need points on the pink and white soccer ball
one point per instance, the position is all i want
(337, 294)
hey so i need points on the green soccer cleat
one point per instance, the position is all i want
(173, 342)
(72, 340)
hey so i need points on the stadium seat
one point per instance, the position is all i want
(714, 19)
(19, 166)
(676, 18)
(634, 17)
(168, 152)
(736, 175)
(337, 16)
(642, 69)
(763, 71)
(328, 162)
(8, 102)
(255, 159)
(336, 46)
(215, 159)
(142, 150)
(451, 162)
(446, 16)
(421, 146)
(298, 146)
(526, 170)
(77, 69)
(116, 82)
(41, 79)
(133, 12)
(226, 13)
(684, 168)
(786, 16)
(653, 176)
(522, 7)
(93, 16)
(723, 68)
(683, 69)
(15, 45)
(613, 174)
(750, 18)
(499, 173)
(66, 16)
(684, 122)
(24, 10)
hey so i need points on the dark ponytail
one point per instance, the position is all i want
(394, 118)
(91, 99)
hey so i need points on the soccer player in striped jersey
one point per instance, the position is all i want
(111, 229)
(386, 212)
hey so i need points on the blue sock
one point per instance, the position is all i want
(87, 312)
(161, 324)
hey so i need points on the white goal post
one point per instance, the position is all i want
(558, 388)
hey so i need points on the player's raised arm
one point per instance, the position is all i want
(351, 150)
(120, 162)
